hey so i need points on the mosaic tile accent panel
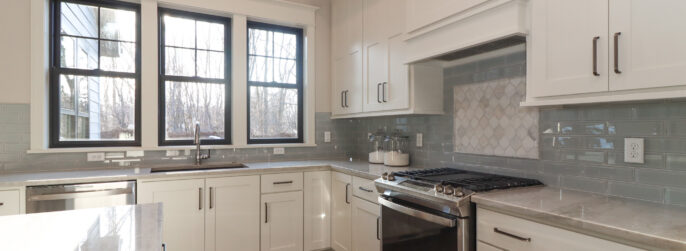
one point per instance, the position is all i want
(488, 119)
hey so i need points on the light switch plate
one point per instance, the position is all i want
(279, 150)
(327, 137)
(634, 150)
(96, 156)
(420, 139)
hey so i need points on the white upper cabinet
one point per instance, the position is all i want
(590, 51)
(569, 52)
(650, 37)
(346, 47)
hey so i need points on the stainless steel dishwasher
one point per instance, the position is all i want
(78, 196)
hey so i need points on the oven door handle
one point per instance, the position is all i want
(418, 214)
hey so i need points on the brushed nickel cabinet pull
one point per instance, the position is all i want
(200, 198)
(377, 227)
(595, 56)
(383, 91)
(211, 200)
(617, 52)
(2, 204)
(366, 190)
(511, 235)
(345, 98)
(378, 93)
(342, 105)
(266, 212)
(283, 182)
(346, 193)
(164, 247)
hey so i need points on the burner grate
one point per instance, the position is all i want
(473, 181)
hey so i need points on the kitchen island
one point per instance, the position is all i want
(122, 228)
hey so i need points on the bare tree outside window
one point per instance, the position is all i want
(275, 83)
(193, 77)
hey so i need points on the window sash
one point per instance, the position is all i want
(163, 77)
(56, 70)
(298, 85)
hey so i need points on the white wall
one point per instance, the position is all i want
(14, 51)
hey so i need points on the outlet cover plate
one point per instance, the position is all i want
(95, 156)
(634, 150)
(327, 137)
(279, 150)
(420, 139)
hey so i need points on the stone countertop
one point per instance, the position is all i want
(133, 227)
(645, 224)
(356, 168)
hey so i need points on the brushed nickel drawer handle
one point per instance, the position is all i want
(283, 182)
(266, 212)
(199, 198)
(511, 235)
(211, 200)
(366, 190)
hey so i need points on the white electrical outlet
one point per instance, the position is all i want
(279, 150)
(172, 153)
(420, 138)
(134, 154)
(633, 150)
(95, 156)
(327, 137)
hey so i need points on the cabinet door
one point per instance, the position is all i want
(317, 211)
(282, 221)
(10, 202)
(366, 236)
(650, 39)
(233, 213)
(184, 211)
(341, 239)
(562, 37)
(347, 84)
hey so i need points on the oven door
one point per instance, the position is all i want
(409, 226)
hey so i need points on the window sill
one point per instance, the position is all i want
(160, 148)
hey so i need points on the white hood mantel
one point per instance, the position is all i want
(470, 24)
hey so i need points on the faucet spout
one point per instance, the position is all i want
(198, 155)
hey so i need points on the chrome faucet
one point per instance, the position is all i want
(199, 156)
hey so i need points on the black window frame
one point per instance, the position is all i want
(299, 86)
(56, 70)
(162, 128)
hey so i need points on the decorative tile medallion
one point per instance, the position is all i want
(489, 120)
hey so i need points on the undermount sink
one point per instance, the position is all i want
(196, 168)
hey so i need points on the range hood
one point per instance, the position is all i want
(493, 25)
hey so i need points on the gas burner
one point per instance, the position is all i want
(474, 181)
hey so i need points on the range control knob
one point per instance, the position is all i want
(391, 177)
(448, 190)
(438, 188)
(384, 176)
(458, 194)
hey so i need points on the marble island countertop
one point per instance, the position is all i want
(133, 227)
(357, 168)
(645, 224)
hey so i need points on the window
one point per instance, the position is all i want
(94, 74)
(275, 84)
(194, 78)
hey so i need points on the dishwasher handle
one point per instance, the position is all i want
(80, 194)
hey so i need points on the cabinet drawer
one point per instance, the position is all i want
(9, 202)
(513, 233)
(365, 189)
(282, 182)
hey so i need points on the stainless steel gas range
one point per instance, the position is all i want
(431, 209)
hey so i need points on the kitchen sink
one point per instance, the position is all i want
(186, 168)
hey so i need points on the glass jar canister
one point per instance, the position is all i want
(397, 153)
(376, 147)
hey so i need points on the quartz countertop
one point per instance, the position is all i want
(356, 168)
(644, 224)
(133, 227)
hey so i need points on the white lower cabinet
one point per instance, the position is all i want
(10, 202)
(496, 231)
(317, 210)
(183, 211)
(232, 214)
(366, 224)
(282, 221)
(207, 214)
(341, 209)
